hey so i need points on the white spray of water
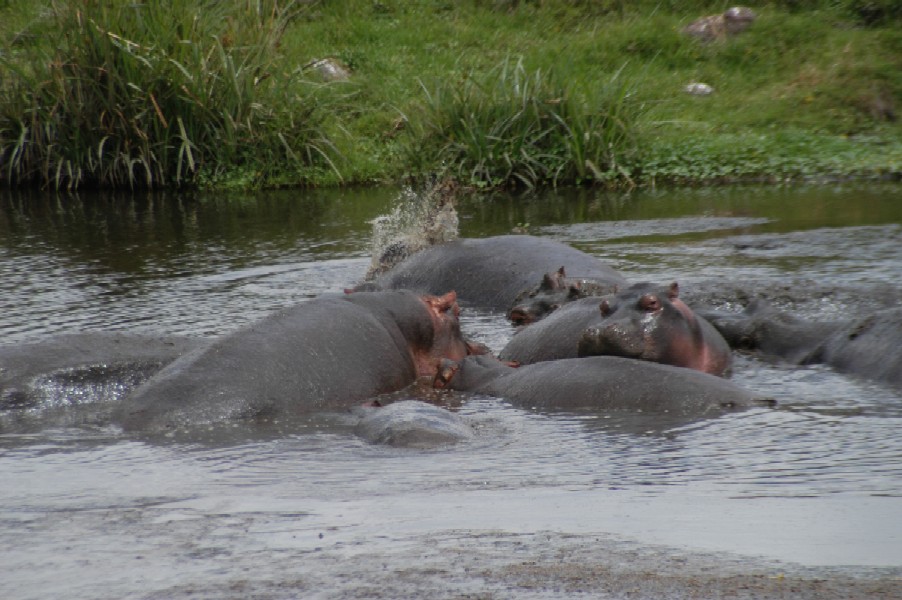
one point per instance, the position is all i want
(419, 219)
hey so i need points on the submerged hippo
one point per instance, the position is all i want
(643, 321)
(600, 383)
(411, 424)
(869, 347)
(327, 353)
(44, 372)
(490, 273)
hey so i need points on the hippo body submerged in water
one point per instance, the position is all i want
(491, 273)
(75, 379)
(644, 321)
(411, 424)
(331, 352)
(599, 383)
(869, 347)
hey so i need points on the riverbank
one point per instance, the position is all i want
(494, 93)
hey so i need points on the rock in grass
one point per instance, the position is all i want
(698, 89)
(717, 27)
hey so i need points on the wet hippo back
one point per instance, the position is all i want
(491, 272)
(412, 424)
(605, 383)
(869, 347)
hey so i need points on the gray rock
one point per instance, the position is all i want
(717, 27)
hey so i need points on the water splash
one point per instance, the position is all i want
(420, 219)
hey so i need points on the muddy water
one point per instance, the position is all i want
(801, 501)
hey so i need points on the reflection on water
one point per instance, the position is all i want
(815, 481)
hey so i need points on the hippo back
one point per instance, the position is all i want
(614, 383)
(490, 273)
(329, 352)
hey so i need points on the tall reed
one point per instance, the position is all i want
(152, 94)
(518, 128)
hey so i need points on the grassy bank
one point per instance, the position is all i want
(493, 92)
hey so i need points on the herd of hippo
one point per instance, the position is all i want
(587, 339)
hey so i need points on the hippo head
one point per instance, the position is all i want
(471, 373)
(446, 340)
(629, 321)
(554, 290)
(650, 322)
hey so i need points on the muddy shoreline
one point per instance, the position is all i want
(495, 565)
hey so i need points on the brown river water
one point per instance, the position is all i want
(801, 501)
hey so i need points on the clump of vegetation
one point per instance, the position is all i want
(156, 94)
(513, 127)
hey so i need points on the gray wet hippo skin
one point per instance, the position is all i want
(599, 383)
(555, 290)
(331, 352)
(644, 321)
(869, 347)
(32, 374)
(411, 424)
(490, 273)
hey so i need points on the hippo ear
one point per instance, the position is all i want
(547, 282)
(446, 371)
(674, 290)
(605, 308)
(561, 272)
(443, 303)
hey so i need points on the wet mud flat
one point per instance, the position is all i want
(804, 501)
(497, 565)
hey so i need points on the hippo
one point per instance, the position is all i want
(869, 347)
(598, 383)
(555, 290)
(330, 352)
(645, 321)
(490, 273)
(40, 373)
(411, 424)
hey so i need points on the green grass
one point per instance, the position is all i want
(509, 126)
(157, 94)
(494, 92)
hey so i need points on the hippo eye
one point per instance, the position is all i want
(605, 308)
(649, 303)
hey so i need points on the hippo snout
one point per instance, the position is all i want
(520, 315)
(611, 340)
